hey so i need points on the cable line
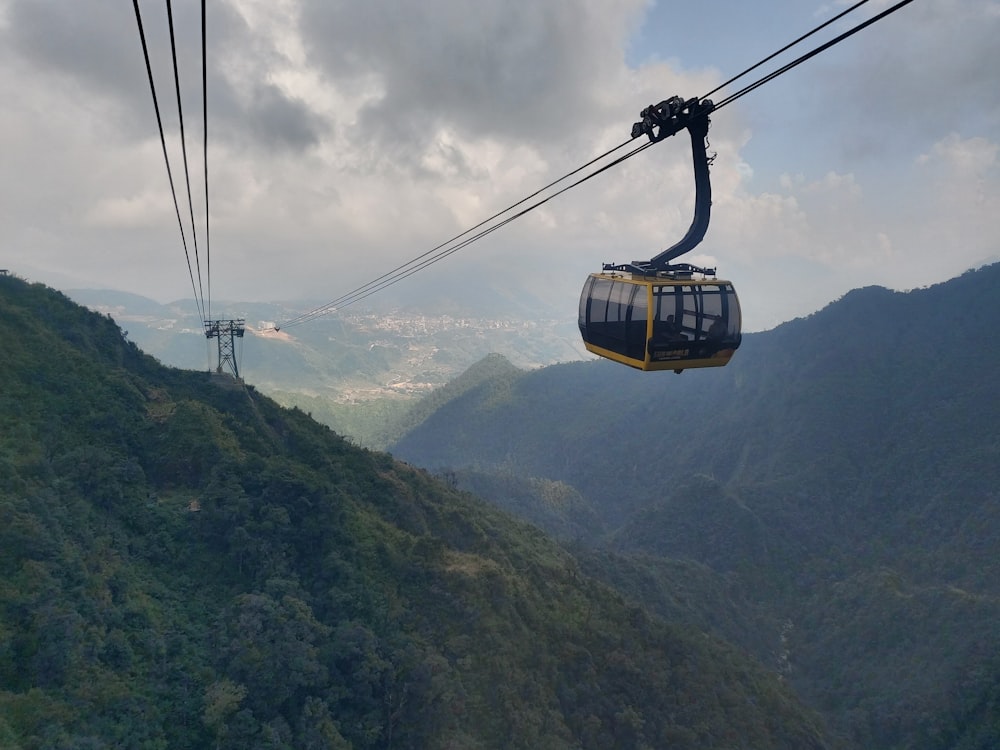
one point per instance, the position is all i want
(785, 48)
(445, 249)
(187, 176)
(204, 110)
(798, 61)
(166, 158)
(393, 278)
(339, 301)
(480, 235)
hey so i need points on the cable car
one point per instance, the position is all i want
(658, 315)
(658, 323)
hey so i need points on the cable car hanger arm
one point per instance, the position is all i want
(661, 121)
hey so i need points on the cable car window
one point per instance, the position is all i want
(713, 322)
(640, 305)
(690, 313)
(617, 314)
(599, 294)
(604, 325)
(584, 302)
(666, 302)
(733, 308)
(638, 312)
(618, 301)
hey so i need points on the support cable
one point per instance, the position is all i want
(187, 176)
(204, 110)
(812, 53)
(166, 158)
(409, 269)
(330, 305)
(785, 48)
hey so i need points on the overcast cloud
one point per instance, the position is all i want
(346, 138)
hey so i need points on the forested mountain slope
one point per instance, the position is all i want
(837, 484)
(184, 564)
(880, 394)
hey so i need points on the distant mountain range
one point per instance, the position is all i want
(830, 498)
(358, 354)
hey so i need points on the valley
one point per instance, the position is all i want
(351, 357)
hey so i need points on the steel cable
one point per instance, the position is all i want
(366, 291)
(401, 269)
(166, 158)
(187, 177)
(204, 112)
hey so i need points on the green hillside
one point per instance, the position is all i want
(834, 488)
(184, 564)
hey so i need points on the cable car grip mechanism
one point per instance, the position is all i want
(661, 121)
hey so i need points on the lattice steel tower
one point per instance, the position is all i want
(226, 331)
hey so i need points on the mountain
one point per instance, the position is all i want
(834, 489)
(361, 369)
(185, 564)
(357, 354)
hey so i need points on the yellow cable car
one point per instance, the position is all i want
(654, 323)
(655, 315)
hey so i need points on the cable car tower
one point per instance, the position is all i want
(226, 331)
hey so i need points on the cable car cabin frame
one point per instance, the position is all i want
(655, 323)
(655, 315)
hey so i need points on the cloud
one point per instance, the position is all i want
(526, 72)
(96, 47)
(961, 191)
(347, 138)
(917, 74)
(930, 219)
(95, 44)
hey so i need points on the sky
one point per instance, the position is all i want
(346, 138)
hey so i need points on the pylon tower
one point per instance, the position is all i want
(226, 332)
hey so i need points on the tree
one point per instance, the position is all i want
(222, 700)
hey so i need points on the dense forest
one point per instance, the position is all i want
(829, 501)
(185, 564)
